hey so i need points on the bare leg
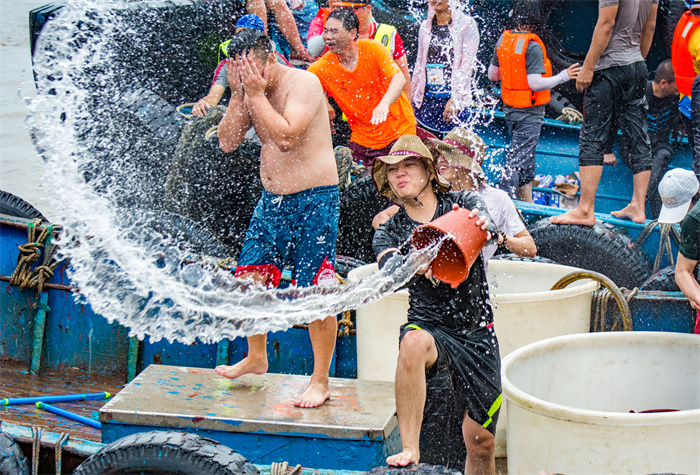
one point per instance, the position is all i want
(481, 447)
(416, 353)
(323, 334)
(254, 363)
(525, 193)
(635, 210)
(257, 7)
(288, 27)
(584, 212)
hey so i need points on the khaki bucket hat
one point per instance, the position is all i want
(406, 146)
(462, 148)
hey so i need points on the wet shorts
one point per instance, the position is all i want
(474, 365)
(295, 232)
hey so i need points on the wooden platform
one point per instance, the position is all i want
(356, 430)
(16, 381)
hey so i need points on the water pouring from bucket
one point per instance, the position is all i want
(458, 252)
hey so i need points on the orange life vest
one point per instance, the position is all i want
(682, 60)
(515, 90)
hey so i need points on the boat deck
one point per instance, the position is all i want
(16, 381)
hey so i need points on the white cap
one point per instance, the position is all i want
(677, 189)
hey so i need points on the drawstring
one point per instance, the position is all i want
(278, 200)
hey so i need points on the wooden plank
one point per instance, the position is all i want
(16, 381)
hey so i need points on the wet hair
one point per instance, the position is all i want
(250, 40)
(348, 18)
(526, 12)
(665, 71)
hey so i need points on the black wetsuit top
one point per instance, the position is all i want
(462, 309)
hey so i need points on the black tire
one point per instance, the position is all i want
(344, 264)
(166, 452)
(359, 204)
(156, 116)
(12, 205)
(189, 235)
(514, 257)
(12, 460)
(421, 469)
(670, 11)
(600, 248)
(663, 280)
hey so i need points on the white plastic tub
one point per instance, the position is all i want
(525, 310)
(569, 399)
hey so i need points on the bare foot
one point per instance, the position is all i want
(632, 213)
(407, 457)
(610, 159)
(574, 216)
(245, 366)
(315, 395)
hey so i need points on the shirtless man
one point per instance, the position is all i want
(296, 220)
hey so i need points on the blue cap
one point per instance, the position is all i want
(251, 22)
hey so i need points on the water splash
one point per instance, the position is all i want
(126, 267)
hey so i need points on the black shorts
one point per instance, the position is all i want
(616, 95)
(474, 364)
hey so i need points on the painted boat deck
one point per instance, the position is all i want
(255, 415)
(16, 381)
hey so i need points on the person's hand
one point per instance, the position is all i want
(694, 304)
(584, 79)
(450, 111)
(233, 76)
(379, 113)
(253, 80)
(200, 108)
(481, 222)
(573, 70)
(426, 271)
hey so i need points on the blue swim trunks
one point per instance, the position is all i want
(294, 232)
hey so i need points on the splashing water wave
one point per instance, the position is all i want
(125, 267)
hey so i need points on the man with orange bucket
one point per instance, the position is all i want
(450, 325)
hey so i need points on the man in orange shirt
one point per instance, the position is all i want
(367, 85)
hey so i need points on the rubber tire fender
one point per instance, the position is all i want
(359, 204)
(669, 13)
(421, 469)
(12, 205)
(600, 248)
(12, 460)
(663, 280)
(166, 452)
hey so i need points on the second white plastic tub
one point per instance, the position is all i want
(569, 401)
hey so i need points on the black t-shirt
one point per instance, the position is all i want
(690, 232)
(662, 114)
(459, 310)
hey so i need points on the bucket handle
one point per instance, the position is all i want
(605, 282)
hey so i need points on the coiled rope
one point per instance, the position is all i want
(347, 168)
(570, 115)
(24, 276)
(668, 231)
(58, 451)
(36, 447)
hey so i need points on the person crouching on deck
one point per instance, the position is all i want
(295, 223)
(446, 327)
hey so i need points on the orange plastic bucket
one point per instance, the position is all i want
(459, 251)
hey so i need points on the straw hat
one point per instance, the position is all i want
(462, 148)
(405, 147)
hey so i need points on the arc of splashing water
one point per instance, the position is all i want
(114, 267)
